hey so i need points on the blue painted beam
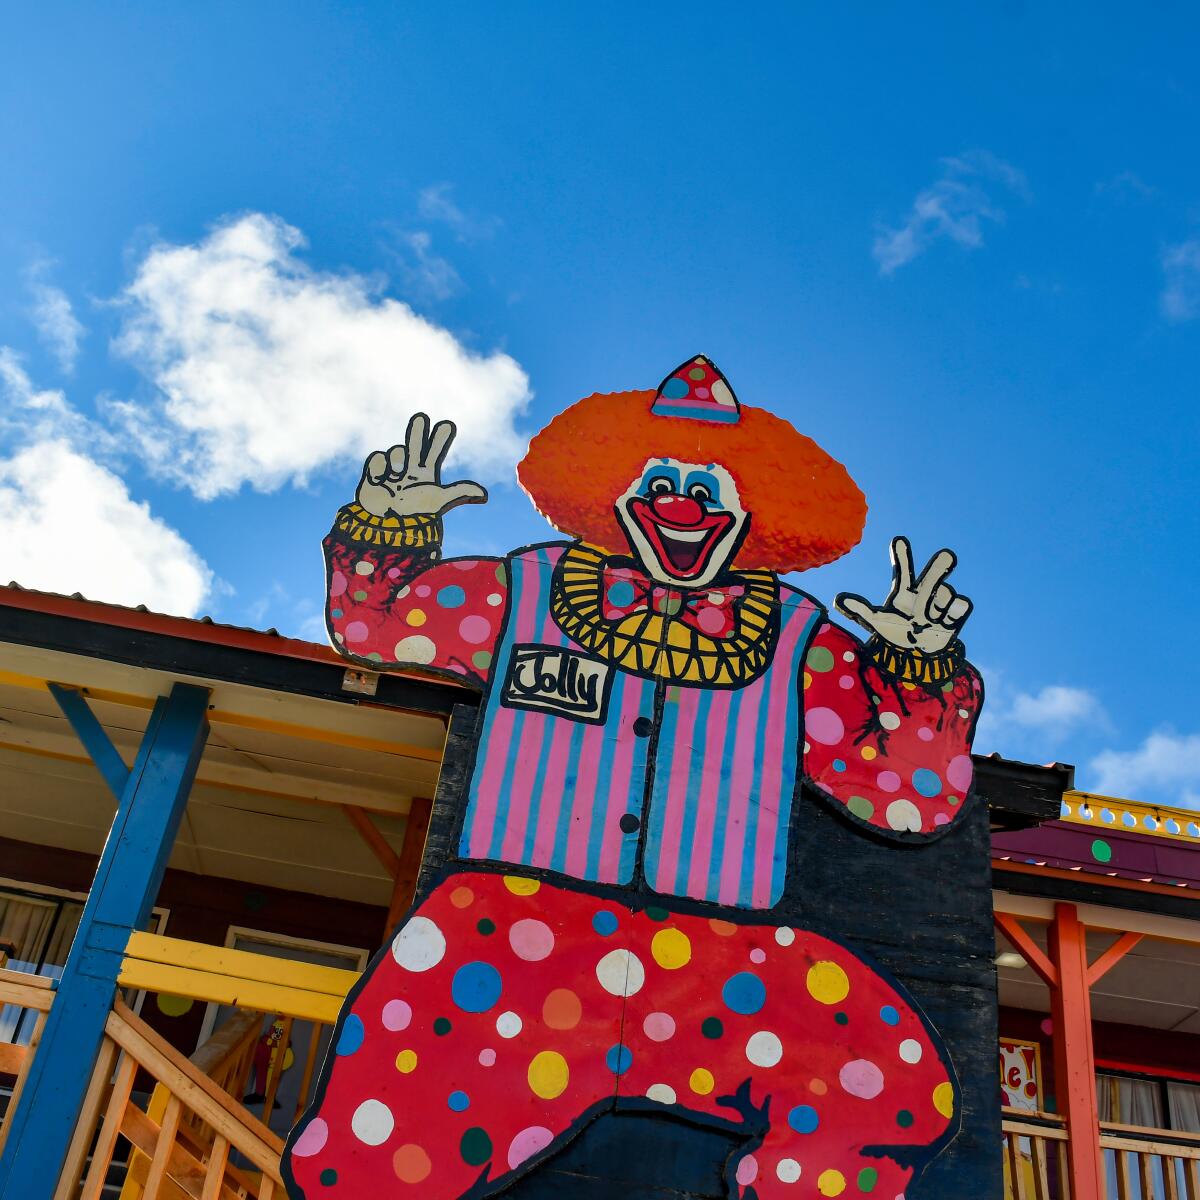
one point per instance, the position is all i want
(123, 892)
(91, 733)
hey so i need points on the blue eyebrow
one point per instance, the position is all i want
(709, 481)
(663, 472)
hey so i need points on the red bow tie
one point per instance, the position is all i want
(628, 590)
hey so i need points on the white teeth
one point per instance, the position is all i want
(683, 535)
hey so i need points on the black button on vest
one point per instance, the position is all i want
(643, 727)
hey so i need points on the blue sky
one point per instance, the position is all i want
(961, 249)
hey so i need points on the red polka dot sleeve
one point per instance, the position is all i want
(894, 752)
(393, 603)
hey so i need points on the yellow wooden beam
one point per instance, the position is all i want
(216, 716)
(238, 964)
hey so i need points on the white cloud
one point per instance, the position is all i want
(954, 206)
(1166, 764)
(267, 371)
(55, 321)
(1038, 720)
(1180, 299)
(67, 524)
(29, 412)
(435, 203)
(426, 273)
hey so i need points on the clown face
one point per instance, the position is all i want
(684, 521)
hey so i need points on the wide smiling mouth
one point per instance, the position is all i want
(682, 550)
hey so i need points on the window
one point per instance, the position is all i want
(37, 926)
(1150, 1102)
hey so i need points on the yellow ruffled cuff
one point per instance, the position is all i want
(914, 667)
(417, 532)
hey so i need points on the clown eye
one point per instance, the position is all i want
(660, 485)
(700, 492)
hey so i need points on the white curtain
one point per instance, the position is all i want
(1183, 1103)
(1130, 1101)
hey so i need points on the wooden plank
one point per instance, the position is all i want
(245, 1131)
(1033, 954)
(41, 982)
(1171, 1178)
(24, 996)
(1146, 1176)
(14, 1098)
(1124, 1183)
(225, 989)
(1041, 1180)
(1112, 956)
(12, 1058)
(106, 1141)
(369, 832)
(215, 1168)
(81, 1139)
(240, 964)
(310, 1064)
(187, 1175)
(163, 1147)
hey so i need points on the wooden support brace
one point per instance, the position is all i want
(388, 858)
(1028, 948)
(415, 833)
(91, 733)
(1112, 956)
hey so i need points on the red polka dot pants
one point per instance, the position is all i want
(509, 1012)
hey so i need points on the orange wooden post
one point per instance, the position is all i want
(1074, 1058)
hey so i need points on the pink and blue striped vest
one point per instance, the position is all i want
(576, 757)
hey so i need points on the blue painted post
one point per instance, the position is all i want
(127, 881)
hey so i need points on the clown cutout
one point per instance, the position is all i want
(660, 710)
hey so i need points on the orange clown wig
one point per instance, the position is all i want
(804, 508)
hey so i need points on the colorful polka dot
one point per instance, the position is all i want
(458, 1101)
(943, 1099)
(889, 1015)
(372, 1123)
(788, 1170)
(827, 983)
(527, 1143)
(803, 1118)
(415, 617)
(474, 630)
(910, 1051)
(520, 886)
(664, 1093)
(352, 1035)
(671, 949)
(621, 973)
(312, 1140)
(508, 1024)
(823, 725)
(747, 1170)
(619, 1059)
(764, 1049)
(861, 807)
(462, 897)
(659, 1026)
(868, 1177)
(926, 782)
(548, 1074)
(701, 1081)
(411, 1164)
(476, 987)
(417, 649)
(475, 1147)
(562, 1009)
(451, 597)
(831, 1183)
(406, 1062)
(531, 940)
(419, 946)
(605, 923)
(819, 659)
(862, 1078)
(744, 993)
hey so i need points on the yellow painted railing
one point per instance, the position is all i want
(1130, 816)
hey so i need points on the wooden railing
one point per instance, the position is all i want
(1150, 1164)
(1035, 1156)
(26, 992)
(176, 1164)
(1140, 1164)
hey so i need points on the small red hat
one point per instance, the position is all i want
(696, 389)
